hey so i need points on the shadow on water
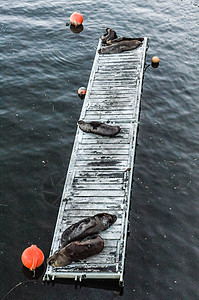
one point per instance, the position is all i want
(36, 275)
(32, 277)
(76, 29)
(36, 279)
(107, 285)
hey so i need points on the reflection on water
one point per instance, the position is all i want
(76, 29)
(52, 188)
(43, 65)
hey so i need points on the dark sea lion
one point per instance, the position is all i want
(99, 128)
(122, 38)
(110, 35)
(87, 227)
(125, 44)
(76, 251)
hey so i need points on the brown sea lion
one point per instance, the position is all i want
(99, 128)
(110, 35)
(76, 251)
(120, 45)
(87, 227)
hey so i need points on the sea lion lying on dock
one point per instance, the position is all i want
(110, 35)
(120, 45)
(87, 227)
(76, 251)
(122, 38)
(99, 128)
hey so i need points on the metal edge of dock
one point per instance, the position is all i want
(69, 178)
(139, 93)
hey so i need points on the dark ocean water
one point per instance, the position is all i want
(43, 63)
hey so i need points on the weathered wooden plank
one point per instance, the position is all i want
(113, 89)
(101, 166)
(112, 113)
(102, 173)
(69, 220)
(97, 187)
(82, 267)
(121, 98)
(103, 158)
(96, 193)
(92, 203)
(99, 197)
(105, 88)
(103, 147)
(108, 201)
(106, 107)
(116, 97)
(105, 118)
(96, 180)
(113, 141)
(117, 62)
(93, 153)
(116, 82)
(121, 134)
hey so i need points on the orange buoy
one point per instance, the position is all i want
(76, 19)
(155, 61)
(32, 257)
(82, 92)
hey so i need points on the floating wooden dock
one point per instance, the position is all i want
(100, 171)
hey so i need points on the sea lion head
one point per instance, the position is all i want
(103, 37)
(109, 35)
(80, 122)
(106, 219)
(84, 126)
(59, 259)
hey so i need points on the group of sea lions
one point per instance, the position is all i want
(118, 45)
(81, 240)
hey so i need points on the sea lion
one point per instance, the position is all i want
(76, 251)
(123, 44)
(99, 128)
(110, 35)
(87, 227)
(122, 38)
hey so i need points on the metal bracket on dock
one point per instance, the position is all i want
(80, 277)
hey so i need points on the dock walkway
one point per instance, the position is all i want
(100, 171)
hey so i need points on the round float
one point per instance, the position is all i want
(82, 92)
(32, 257)
(155, 61)
(76, 19)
